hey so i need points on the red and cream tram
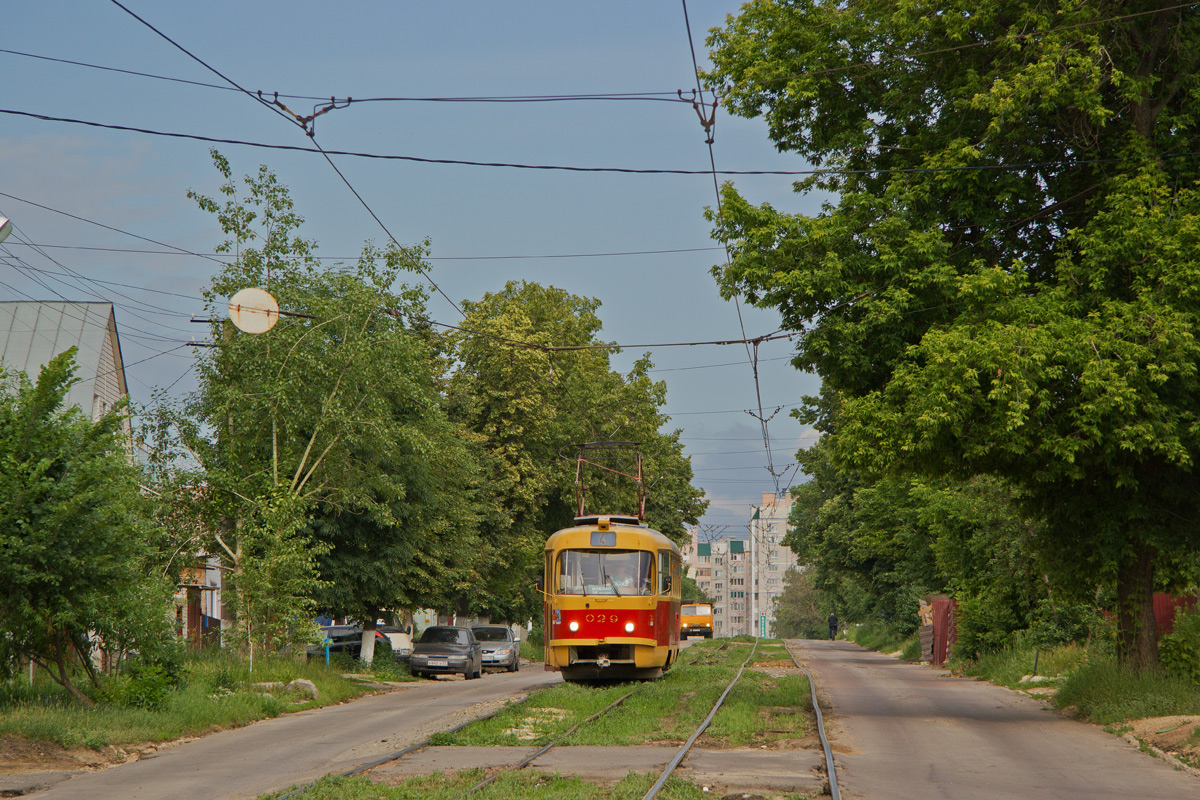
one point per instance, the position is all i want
(611, 600)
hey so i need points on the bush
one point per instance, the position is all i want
(1179, 650)
(140, 684)
(1055, 624)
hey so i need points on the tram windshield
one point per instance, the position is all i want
(619, 572)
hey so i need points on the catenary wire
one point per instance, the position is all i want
(568, 168)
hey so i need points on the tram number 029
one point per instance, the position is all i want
(600, 618)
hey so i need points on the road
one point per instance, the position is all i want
(902, 731)
(297, 748)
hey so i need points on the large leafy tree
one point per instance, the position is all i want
(534, 382)
(1006, 280)
(78, 565)
(323, 461)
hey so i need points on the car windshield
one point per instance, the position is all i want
(696, 610)
(443, 636)
(492, 634)
(621, 572)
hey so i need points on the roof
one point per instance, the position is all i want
(34, 332)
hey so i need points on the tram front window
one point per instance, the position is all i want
(620, 572)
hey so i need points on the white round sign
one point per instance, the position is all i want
(253, 310)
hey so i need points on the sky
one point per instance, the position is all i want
(102, 213)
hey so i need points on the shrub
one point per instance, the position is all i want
(1179, 650)
(1055, 624)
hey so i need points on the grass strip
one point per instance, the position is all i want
(509, 786)
(216, 691)
(1104, 693)
(760, 708)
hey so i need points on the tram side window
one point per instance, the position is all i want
(664, 572)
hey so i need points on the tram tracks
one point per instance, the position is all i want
(666, 772)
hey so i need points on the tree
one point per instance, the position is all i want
(1004, 283)
(529, 407)
(77, 565)
(798, 609)
(321, 446)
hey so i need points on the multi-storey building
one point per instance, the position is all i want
(770, 560)
(744, 576)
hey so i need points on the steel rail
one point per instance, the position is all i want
(683, 751)
(830, 769)
(535, 756)
(387, 758)
(531, 758)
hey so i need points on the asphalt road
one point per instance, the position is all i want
(903, 731)
(298, 748)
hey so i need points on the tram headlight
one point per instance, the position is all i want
(629, 627)
(574, 626)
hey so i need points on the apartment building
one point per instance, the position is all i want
(743, 576)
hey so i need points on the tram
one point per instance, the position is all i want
(612, 600)
(612, 593)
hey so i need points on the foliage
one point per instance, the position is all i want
(881, 637)
(690, 591)
(1180, 649)
(320, 463)
(1005, 282)
(528, 409)
(798, 608)
(77, 562)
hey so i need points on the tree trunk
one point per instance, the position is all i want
(1137, 633)
(367, 655)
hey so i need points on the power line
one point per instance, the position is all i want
(670, 97)
(564, 168)
(518, 257)
(187, 53)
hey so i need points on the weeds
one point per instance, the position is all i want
(1105, 693)
(213, 691)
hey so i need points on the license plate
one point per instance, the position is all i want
(438, 662)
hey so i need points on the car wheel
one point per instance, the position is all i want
(514, 666)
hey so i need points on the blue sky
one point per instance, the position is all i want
(137, 183)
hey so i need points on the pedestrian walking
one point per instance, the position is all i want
(833, 625)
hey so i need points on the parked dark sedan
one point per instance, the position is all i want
(445, 649)
(348, 639)
(500, 647)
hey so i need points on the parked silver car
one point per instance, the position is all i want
(446, 649)
(500, 647)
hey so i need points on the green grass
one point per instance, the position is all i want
(216, 692)
(883, 638)
(760, 708)
(526, 785)
(1007, 666)
(1104, 693)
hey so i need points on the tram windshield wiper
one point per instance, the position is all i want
(612, 583)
